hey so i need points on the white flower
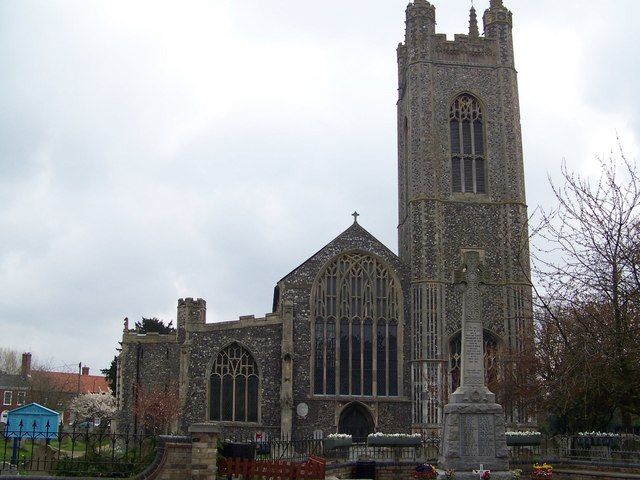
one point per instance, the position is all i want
(92, 406)
(522, 433)
(338, 435)
(394, 435)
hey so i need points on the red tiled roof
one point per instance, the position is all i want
(68, 382)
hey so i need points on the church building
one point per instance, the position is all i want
(361, 339)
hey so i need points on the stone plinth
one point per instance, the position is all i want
(473, 434)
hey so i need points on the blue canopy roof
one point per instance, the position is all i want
(32, 421)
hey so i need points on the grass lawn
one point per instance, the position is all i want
(6, 449)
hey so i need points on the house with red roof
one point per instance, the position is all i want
(14, 388)
(54, 390)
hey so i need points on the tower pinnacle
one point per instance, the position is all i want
(473, 23)
(497, 4)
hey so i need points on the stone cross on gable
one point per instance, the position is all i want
(472, 387)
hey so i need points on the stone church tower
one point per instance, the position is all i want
(461, 188)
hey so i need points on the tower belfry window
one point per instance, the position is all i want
(467, 145)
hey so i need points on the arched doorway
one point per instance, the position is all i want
(356, 420)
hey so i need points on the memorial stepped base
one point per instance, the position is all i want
(474, 435)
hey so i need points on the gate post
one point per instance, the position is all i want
(204, 450)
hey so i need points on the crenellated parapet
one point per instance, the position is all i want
(498, 23)
(465, 49)
(423, 13)
(497, 15)
(420, 25)
(191, 312)
(423, 44)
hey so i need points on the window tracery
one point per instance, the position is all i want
(466, 124)
(357, 354)
(233, 386)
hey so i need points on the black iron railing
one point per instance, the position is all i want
(618, 451)
(74, 452)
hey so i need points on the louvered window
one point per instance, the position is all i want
(468, 169)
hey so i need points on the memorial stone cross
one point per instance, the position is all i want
(472, 387)
(473, 424)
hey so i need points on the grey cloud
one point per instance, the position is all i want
(134, 169)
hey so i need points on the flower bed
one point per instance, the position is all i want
(394, 439)
(542, 471)
(425, 470)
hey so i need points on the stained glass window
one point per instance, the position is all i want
(362, 357)
(233, 386)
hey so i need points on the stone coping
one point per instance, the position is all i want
(204, 428)
(596, 463)
(596, 473)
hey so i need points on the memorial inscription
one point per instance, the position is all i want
(469, 436)
(486, 436)
(477, 436)
(473, 350)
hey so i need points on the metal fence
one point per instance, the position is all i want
(298, 450)
(75, 452)
(620, 452)
(274, 448)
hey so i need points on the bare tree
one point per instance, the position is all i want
(9, 361)
(588, 288)
(54, 390)
(158, 408)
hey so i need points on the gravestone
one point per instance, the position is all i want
(473, 427)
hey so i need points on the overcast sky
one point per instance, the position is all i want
(156, 150)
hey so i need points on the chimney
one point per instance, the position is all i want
(85, 370)
(25, 369)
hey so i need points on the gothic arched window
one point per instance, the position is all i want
(356, 318)
(490, 344)
(233, 386)
(466, 123)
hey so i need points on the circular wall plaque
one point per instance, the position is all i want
(302, 410)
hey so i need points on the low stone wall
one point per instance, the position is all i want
(562, 474)
(385, 470)
(581, 472)
(173, 460)
(193, 457)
